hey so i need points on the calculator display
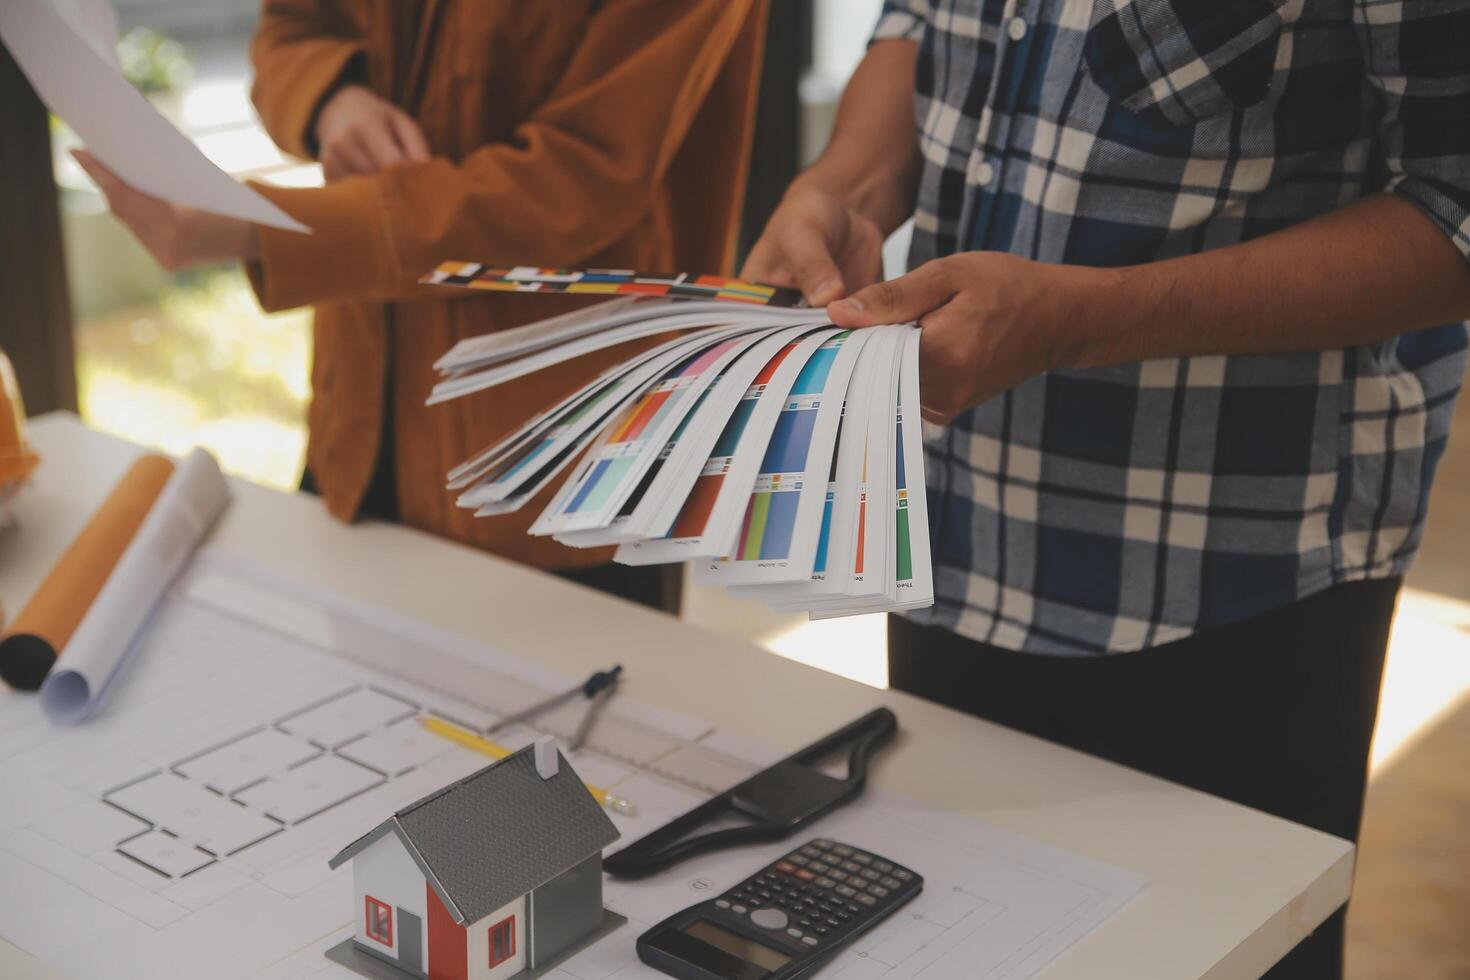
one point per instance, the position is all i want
(746, 949)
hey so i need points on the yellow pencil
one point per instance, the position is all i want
(484, 746)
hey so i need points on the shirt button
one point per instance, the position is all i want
(1016, 28)
(984, 173)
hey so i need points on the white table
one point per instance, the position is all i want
(1231, 889)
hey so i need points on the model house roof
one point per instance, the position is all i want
(497, 834)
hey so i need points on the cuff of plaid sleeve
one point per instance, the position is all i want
(1447, 205)
(898, 24)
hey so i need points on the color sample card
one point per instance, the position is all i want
(609, 282)
(630, 445)
(777, 540)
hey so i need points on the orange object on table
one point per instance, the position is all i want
(16, 459)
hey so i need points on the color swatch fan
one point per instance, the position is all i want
(755, 439)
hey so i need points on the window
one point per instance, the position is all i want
(379, 920)
(502, 941)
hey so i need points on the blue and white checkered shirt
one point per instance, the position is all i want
(1099, 511)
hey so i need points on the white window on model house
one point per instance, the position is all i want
(502, 942)
(378, 920)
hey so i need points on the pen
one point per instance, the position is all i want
(470, 740)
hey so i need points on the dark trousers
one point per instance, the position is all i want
(1275, 712)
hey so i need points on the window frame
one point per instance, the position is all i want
(369, 906)
(509, 922)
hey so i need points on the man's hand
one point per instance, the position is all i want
(816, 243)
(177, 236)
(357, 132)
(990, 321)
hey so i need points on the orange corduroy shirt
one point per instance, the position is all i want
(611, 134)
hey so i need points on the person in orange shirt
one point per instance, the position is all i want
(611, 134)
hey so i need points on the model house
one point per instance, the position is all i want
(497, 873)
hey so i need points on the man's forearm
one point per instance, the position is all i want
(1367, 272)
(872, 160)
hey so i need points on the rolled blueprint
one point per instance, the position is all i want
(97, 654)
(41, 630)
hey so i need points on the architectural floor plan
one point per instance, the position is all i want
(185, 831)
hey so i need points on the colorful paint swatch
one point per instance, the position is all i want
(904, 559)
(695, 514)
(770, 516)
(534, 279)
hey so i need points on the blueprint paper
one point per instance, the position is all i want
(96, 655)
(62, 51)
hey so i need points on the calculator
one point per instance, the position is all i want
(783, 921)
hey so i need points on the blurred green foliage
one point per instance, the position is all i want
(154, 63)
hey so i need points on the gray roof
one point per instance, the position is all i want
(497, 834)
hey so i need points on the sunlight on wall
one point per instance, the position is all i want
(1428, 670)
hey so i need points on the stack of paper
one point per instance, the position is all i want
(763, 444)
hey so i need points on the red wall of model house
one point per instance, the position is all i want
(448, 942)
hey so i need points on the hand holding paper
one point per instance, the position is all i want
(177, 236)
(81, 84)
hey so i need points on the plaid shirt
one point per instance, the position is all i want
(1090, 512)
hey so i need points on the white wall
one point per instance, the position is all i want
(386, 872)
(479, 944)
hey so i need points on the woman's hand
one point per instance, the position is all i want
(177, 236)
(358, 132)
(990, 321)
(816, 243)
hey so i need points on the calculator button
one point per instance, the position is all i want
(805, 875)
(795, 933)
(836, 876)
(865, 899)
(883, 866)
(870, 874)
(785, 867)
(862, 858)
(826, 883)
(834, 922)
(854, 910)
(824, 845)
(852, 866)
(809, 940)
(769, 918)
(847, 891)
(844, 851)
(741, 909)
(820, 929)
(890, 883)
(878, 890)
(806, 922)
(720, 903)
(797, 859)
(843, 916)
(902, 874)
(812, 851)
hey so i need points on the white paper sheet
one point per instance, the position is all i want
(238, 676)
(97, 653)
(62, 51)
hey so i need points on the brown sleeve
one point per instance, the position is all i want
(299, 57)
(579, 173)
